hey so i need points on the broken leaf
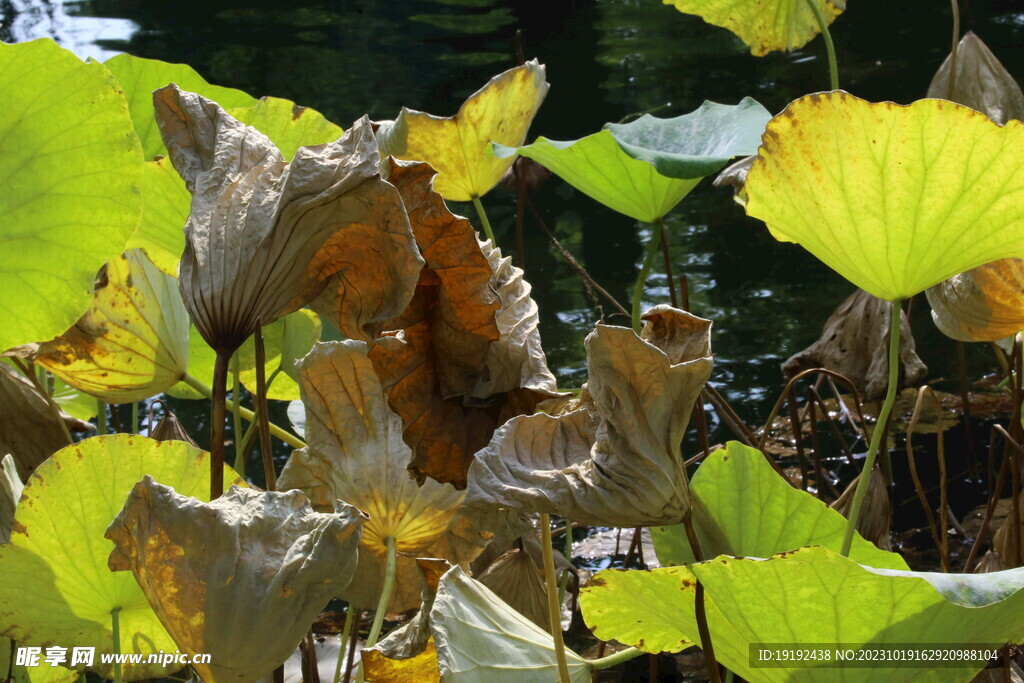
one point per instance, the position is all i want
(480, 639)
(615, 460)
(285, 341)
(644, 168)
(741, 506)
(356, 454)
(57, 589)
(981, 83)
(240, 578)
(764, 25)
(71, 186)
(132, 343)
(881, 193)
(264, 237)
(456, 146)
(854, 344)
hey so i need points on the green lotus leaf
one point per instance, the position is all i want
(70, 166)
(161, 231)
(894, 198)
(644, 168)
(139, 77)
(764, 25)
(44, 673)
(75, 403)
(743, 507)
(285, 341)
(456, 146)
(288, 125)
(480, 639)
(812, 595)
(57, 589)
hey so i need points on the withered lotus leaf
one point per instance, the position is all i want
(983, 304)
(462, 360)
(356, 454)
(854, 342)
(515, 578)
(132, 343)
(10, 492)
(240, 578)
(264, 237)
(615, 460)
(981, 82)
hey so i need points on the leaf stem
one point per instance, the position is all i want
(101, 417)
(385, 594)
(115, 626)
(236, 403)
(266, 449)
(217, 416)
(863, 483)
(645, 269)
(703, 630)
(483, 220)
(135, 417)
(247, 414)
(830, 48)
(554, 612)
(614, 659)
(345, 631)
(956, 44)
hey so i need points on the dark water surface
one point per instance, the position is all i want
(606, 60)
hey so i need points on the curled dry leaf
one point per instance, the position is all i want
(132, 343)
(981, 83)
(854, 343)
(240, 578)
(265, 237)
(983, 304)
(615, 460)
(356, 454)
(169, 428)
(515, 578)
(466, 355)
(875, 520)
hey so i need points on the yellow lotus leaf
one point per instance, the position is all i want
(456, 146)
(421, 668)
(894, 198)
(764, 25)
(356, 454)
(265, 236)
(240, 578)
(132, 343)
(615, 460)
(983, 304)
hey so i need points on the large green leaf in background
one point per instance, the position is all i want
(288, 125)
(161, 231)
(743, 507)
(644, 168)
(56, 588)
(70, 165)
(285, 341)
(812, 595)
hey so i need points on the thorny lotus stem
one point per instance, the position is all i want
(876, 434)
(236, 404)
(247, 414)
(956, 43)
(830, 48)
(385, 593)
(135, 417)
(551, 586)
(614, 659)
(217, 415)
(266, 449)
(115, 627)
(700, 612)
(101, 417)
(641, 280)
(345, 631)
(483, 220)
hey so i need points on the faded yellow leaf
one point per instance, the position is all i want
(421, 668)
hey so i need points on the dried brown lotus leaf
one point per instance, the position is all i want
(466, 354)
(854, 343)
(169, 428)
(265, 237)
(982, 82)
(514, 578)
(240, 578)
(1006, 541)
(876, 516)
(616, 460)
(983, 304)
(990, 562)
(356, 454)
(132, 342)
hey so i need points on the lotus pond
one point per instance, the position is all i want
(443, 342)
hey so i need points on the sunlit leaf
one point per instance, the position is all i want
(70, 166)
(743, 507)
(644, 168)
(139, 77)
(57, 589)
(265, 237)
(201, 361)
(356, 454)
(161, 231)
(240, 578)
(75, 403)
(421, 668)
(288, 125)
(983, 304)
(36, 674)
(982, 82)
(895, 198)
(764, 25)
(812, 595)
(285, 341)
(132, 343)
(613, 459)
(480, 639)
(456, 146)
